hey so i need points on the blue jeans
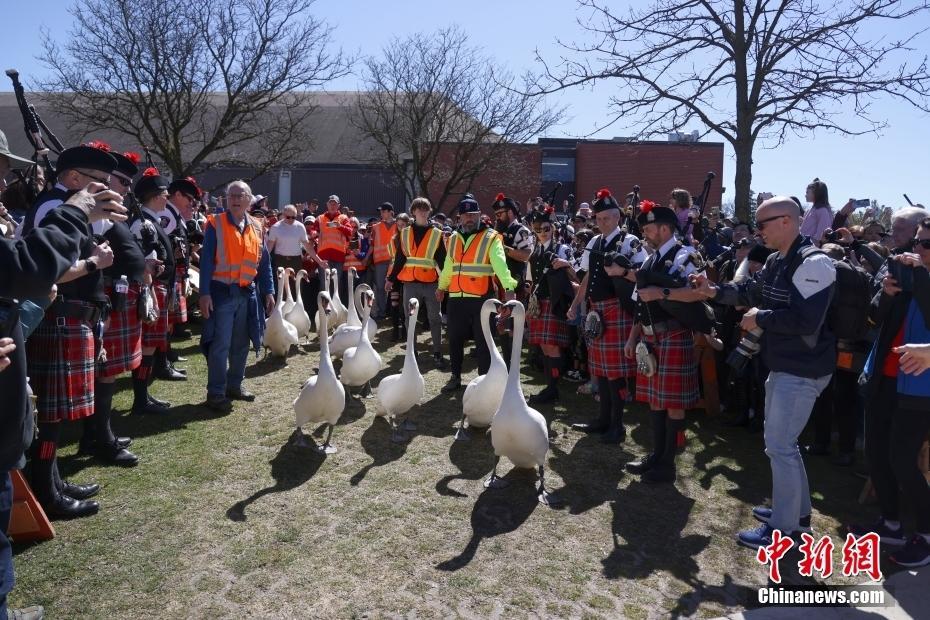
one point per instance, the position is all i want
(789, 400)
(381, 297)
(6, 554)
(229, 349)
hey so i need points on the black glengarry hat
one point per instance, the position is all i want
(86, 157)
(151, 184)
(604, 201)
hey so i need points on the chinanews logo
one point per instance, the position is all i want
(859, 556)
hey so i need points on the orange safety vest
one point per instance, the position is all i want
(381, 241)
(420, 265)
(331, 238)
(471, 263)
(237, 254)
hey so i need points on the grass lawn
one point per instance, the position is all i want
(223, 518)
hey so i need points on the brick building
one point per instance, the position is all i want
(340, 160)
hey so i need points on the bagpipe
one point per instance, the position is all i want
(36, 130)
(697, 316)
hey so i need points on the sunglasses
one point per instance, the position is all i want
(760, 224)
(542, 229)
(290, 217)
(97, 179)
(922, 243)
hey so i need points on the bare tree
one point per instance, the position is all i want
(748, 70)
(440, 112)
(199, 82)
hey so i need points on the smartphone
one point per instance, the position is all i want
(862, 203)
(903, 275)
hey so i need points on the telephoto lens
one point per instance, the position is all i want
(747, 348)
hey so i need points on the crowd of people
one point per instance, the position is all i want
(813, 319)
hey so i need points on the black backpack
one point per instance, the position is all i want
(848, 315)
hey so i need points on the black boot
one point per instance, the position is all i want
(454, 384)
(164, 370)
(551, 392)
(77, 491)
(141, 379)
(617, 433)
(657, 423)
(603, 422)
(664, 470)
(56, 504)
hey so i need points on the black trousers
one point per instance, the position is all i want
(840, 401)
(463, 322)
(893, 437)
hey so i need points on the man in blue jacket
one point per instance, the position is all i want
(897, 414)
(788, 302)
(230, 292)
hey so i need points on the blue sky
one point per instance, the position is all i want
(879, 167)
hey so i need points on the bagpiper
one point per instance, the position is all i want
(62, 351)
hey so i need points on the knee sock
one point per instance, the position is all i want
(657, 419)
(617, 388)
(554, 369)
(103, 407)
(141, 378)
(43, 460)
(603, 390)
(672, 426)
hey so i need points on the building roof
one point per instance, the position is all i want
(334, 138)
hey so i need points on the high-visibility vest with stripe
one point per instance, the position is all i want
(381, 237)
(471, 263)
(420, 265)
(237, 254)
(331, 238)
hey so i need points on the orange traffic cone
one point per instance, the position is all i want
(27, 520)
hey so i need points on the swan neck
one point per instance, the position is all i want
(513, 375)
(281, 288)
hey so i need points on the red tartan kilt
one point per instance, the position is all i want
(178, 314)
(60, 361)
(156, 334)
(675, 382)
(122, 339)
(547, 329)
(605, 353)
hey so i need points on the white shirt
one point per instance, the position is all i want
(288, 238)
(679, 266)
(626, 249)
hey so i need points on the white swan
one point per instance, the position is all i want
(322, 398)
(324, 286)
(518, 431)
(361, 363)
(483, 395)
(289, 301)
(346, 335)
(397, 394)
(339, 311)
(280, 335)
(352, 318)
(297, 316)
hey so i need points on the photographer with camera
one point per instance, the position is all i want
(896, 420)
(788, 303)
(32, 266)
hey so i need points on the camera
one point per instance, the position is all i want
(747, 348)
(903, 275)
(831, 236)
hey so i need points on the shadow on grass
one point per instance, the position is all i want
(497, 511)
(474, 458)
(581, 490)
(291, 467)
